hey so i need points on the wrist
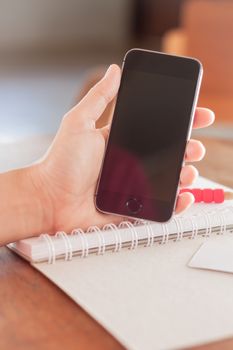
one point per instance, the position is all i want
(42, 200)
(24, 206)
(33, 202)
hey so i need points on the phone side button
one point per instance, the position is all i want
(133, 206)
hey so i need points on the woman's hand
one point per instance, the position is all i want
(67, 175)
(57, 193)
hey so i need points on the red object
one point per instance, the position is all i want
(206, 195)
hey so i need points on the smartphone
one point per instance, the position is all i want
(151, 125)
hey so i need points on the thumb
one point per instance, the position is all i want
(99, 96)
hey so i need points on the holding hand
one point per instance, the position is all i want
(70, 171)
(57, 193)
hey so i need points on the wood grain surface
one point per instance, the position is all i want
(35, 314)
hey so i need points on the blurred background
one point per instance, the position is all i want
(52, 50)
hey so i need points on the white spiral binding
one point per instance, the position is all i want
(80, 233)
(134, 240)
(194, 227)
(221, 218)
(149, 231)
(208, 224)
(134, 236)
(179, 227)
(115, 230)
(68, 246)
(51, 248)
(102, 245)
(210, 221)
(139, 222)
(224, 225)
(165, 234)
(150, 235)
(180, 219)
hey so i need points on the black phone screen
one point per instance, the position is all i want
(148, 136)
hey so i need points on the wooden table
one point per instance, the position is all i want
(35, 314)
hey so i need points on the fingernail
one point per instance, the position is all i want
(213, 116)
(211, 112)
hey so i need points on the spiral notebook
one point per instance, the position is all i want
(200, 220)
(148, 298)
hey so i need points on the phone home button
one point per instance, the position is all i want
(133, 205)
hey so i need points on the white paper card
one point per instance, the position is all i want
(215, 255)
